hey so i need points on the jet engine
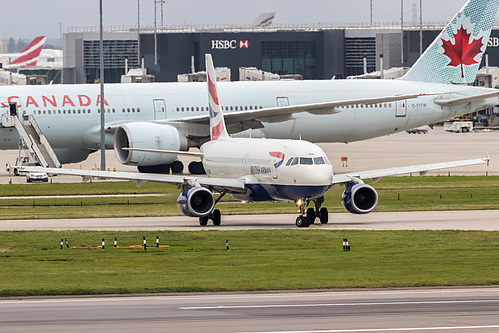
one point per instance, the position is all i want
(196, 202)
(359, 199)
(148, 136)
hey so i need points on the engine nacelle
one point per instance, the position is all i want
(147, 136)
(70, 155)
(196, 202)
(359, 199)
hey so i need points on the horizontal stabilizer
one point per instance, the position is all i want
(464, 100)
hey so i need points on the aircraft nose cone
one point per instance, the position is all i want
(318, 176)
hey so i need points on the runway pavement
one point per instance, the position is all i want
(407, 310)
(459, 220)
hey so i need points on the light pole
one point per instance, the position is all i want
(371, 12)
(138, 32)
(155, 28)
(402, 31)
(420, 27)
(101, 79)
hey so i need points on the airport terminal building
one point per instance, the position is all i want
(313, 52)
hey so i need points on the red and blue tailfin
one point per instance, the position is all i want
(29, 56)
(217, 123)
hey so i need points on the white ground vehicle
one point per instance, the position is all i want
(37, 177)
(458, 126)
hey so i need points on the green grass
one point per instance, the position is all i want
(395, 194)
(32, 264)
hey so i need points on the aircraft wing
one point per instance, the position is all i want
(251, 119)
(231, 185)
(422, 169)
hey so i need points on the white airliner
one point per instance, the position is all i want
(172, 116)
(29, 56)
(260, 170)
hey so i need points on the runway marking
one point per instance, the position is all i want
(411, 329)
(330, 305)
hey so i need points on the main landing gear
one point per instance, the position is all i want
(305, 220)
(215, 215)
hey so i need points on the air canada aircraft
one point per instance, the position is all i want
(258, 170)
(173, 116)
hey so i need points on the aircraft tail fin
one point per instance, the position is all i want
(29, 56)
(217, 122)
(455, 55)
(263, 20)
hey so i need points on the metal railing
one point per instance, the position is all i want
(240, 28)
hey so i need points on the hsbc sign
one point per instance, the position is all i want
(493, 42)
(224, 44)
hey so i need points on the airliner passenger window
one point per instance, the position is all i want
(138, 109)
(306, 161)
(319, 160)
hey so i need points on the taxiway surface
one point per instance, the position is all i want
(407, 310)
(434, 220)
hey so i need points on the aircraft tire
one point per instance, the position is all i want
(177, 167)
(203, 220)
(302, 222)
(311, 215)
(196, 168)
(324, 217)
(217, 217)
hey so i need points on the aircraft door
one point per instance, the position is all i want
(282, 101)
(401, 108)
(159, 109)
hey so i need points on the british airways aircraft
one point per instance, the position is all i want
(260, 170)
(173, 116)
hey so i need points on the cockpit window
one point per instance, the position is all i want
(306, 160)
(295, 161)
(319, 160)
(290, 160)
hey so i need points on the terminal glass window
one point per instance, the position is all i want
(283, 57)
(115, 53)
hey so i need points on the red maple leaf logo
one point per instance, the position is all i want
(462, 52)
